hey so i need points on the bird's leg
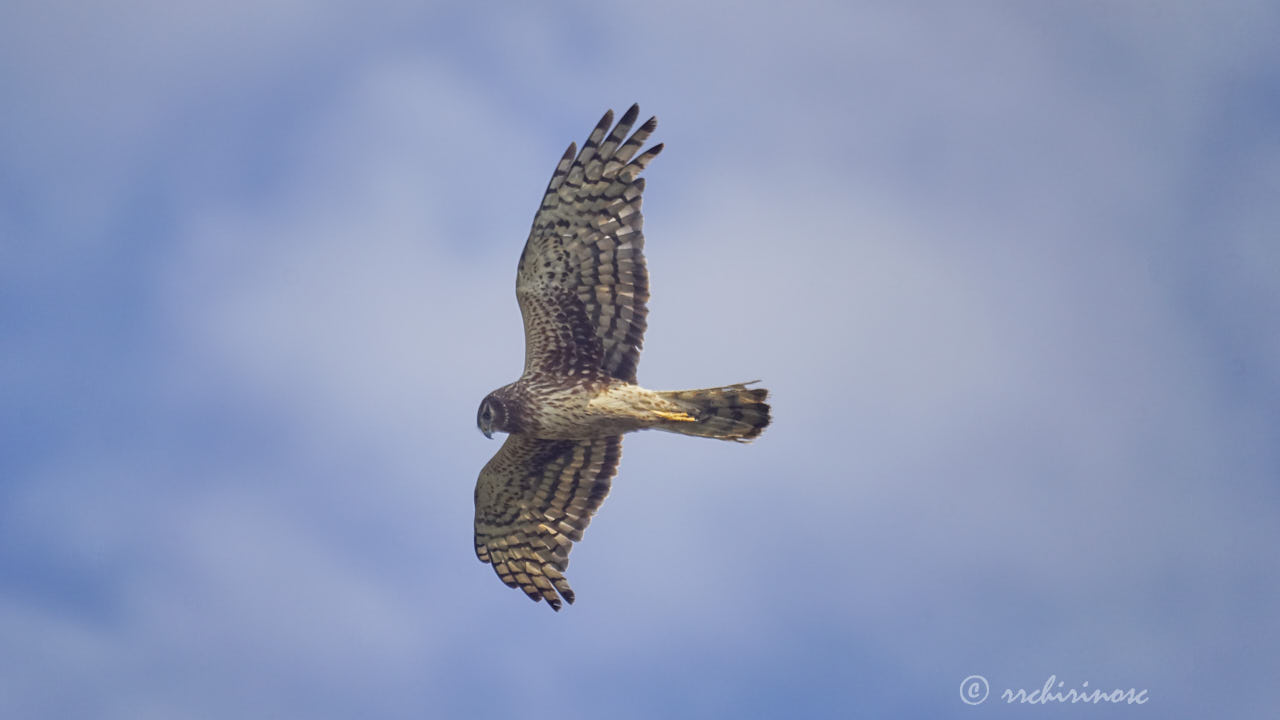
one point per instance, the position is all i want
(675, 416)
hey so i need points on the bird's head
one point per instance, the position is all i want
(492, 415)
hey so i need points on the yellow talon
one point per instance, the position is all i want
(675, 416)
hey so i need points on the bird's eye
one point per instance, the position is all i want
(488, 413)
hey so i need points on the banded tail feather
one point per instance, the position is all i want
(733, 412)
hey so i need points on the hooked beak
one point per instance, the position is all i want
(488, 433)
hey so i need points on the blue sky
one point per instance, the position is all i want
(1009, 269)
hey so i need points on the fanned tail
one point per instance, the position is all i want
(733, 412)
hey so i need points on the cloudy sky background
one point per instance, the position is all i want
(1010, 270)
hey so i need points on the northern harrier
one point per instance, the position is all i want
(582, 287)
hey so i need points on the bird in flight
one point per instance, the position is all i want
(582, 285)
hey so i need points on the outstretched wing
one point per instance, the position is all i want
(533, 500)
(582, 282)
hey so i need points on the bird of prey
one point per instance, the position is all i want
(582, 287)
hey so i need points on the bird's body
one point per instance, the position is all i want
(607, 407)
(582, 286)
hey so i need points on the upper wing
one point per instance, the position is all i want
(533, 499)
(582, 282)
